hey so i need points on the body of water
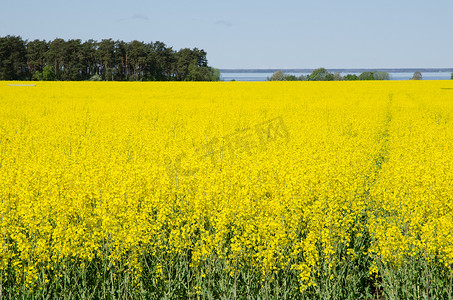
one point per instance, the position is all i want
(393, 76)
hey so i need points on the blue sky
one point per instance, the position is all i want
(256, 34)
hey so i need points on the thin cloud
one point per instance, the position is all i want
(224, 23)
(134, 17)
(140, 17)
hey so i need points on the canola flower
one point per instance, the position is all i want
(182, 190)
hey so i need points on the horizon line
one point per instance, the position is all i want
(354, 70)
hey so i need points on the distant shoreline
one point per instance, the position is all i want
(389, 70)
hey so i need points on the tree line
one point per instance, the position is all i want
(108, 59)
(321, 74)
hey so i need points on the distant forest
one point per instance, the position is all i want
(105, 60)
(322, 74)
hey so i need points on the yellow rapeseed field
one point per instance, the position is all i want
(226, 189)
